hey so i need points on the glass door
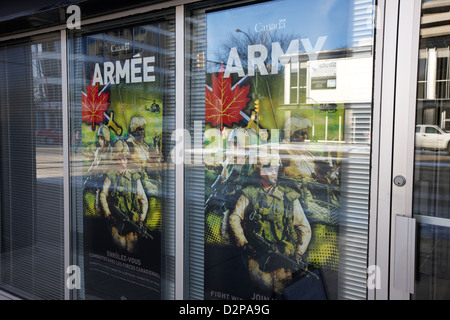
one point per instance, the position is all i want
(431, 202)
(420, 218)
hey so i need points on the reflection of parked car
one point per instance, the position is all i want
(432, 137)
(49, 136)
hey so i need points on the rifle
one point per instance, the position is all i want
(217, 201)
(294, 183)
(125, 225)
(93, 182)
(273, 252)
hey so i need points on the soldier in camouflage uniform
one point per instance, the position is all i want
(141, 160)
(315, 177)
(298, 162)
(272, 213)
(100, 165)
(102, 155)
(236, 169)
(123, 192)
(236, 173)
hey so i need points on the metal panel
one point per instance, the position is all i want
(405, 246)
(382, 144)
(404, 124)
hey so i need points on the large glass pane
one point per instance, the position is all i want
(122, 94)
(32, 211)
(279, 107)
(431, 206)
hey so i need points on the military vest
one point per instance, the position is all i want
(139, 154)
(123, 193)
(271, 216)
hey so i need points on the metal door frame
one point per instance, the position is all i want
(393, 145)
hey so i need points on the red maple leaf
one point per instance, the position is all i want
(223, 104)
(93, 106)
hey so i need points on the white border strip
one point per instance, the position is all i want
(376, 117)
(179, 167)
(66, 163)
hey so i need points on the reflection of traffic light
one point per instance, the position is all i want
(257, 106)
(201, 59)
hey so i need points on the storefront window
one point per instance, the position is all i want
(121, 87)
(32, 211)
(279, 102)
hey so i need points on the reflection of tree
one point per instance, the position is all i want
(242, 39)
(263, 86)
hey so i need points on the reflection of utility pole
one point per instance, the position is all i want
(251, 43)
(249, 39)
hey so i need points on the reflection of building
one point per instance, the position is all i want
(302, 83)
(433, 91)
(47, 85)
(340, 77)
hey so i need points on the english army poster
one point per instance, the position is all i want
(272, 195)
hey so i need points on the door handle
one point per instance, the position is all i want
(405, 249)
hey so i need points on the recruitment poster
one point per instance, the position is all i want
(121, 141)
(272, 186)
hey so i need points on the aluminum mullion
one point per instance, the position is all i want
(404, 121)
(66, 163)
(382, 144)
(179, 166)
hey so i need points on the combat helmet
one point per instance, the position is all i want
(103, 131)
(137, 122)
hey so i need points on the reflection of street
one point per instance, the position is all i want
(432, 183)
(432, 199)
(432, 156)
(49, 162)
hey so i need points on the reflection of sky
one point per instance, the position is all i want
(307, 18)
